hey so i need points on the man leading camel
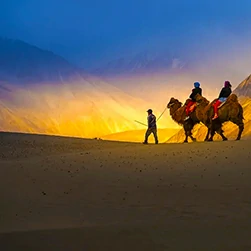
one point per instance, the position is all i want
(152, 127)
(224, 94)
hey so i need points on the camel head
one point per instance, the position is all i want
(174, 102)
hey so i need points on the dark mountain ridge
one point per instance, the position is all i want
(21, 62)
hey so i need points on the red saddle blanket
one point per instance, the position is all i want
(192, 107)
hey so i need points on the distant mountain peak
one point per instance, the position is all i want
(143, 62)
(244, 88)
(21, 62)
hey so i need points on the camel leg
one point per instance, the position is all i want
(222, 135)
(216, 126)
(218, 129)
(188, 127)
(192, 138)
(188, 132)
(240, 124)
(241, 128)
(186, 139)
(207, 136)
(212, 136)
(212, 132)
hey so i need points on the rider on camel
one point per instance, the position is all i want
(224, 94)
(192, 100)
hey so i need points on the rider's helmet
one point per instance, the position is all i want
(227, 84)
(196, 84)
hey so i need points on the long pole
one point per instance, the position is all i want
(156, 120)
(161, 114)
(140, 122)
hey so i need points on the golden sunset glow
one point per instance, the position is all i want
(92, 108)
(79, 109)
(138, 135)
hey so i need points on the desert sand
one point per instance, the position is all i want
(139, 135)
(78, 194)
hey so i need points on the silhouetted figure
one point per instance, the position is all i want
(152, 127)
(224, 94)
(192, 101)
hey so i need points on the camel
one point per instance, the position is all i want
(231, 110)
(177, 112)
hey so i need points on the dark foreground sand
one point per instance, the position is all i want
(74, 194)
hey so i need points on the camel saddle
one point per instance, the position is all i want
(223, 103)
(192, 107)
(232, 97)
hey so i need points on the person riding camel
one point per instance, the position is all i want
(224, 94)
(192, 101)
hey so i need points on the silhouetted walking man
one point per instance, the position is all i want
(152, 127)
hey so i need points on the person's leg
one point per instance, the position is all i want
(155, 135)
(216, 104)
(190, 103)
(147, 134)
(188, 107)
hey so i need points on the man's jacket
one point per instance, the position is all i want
(151, 121)
(194, 92)
(225, 92)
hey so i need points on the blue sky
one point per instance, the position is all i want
(89, 33)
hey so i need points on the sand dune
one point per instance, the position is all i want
(75, 194)
(138, 135)
(85, 108)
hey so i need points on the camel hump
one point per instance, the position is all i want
(187, 101)
(233, 98)
(213, 101)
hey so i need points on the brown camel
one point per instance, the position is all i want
(178, 114)
(231, 110)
